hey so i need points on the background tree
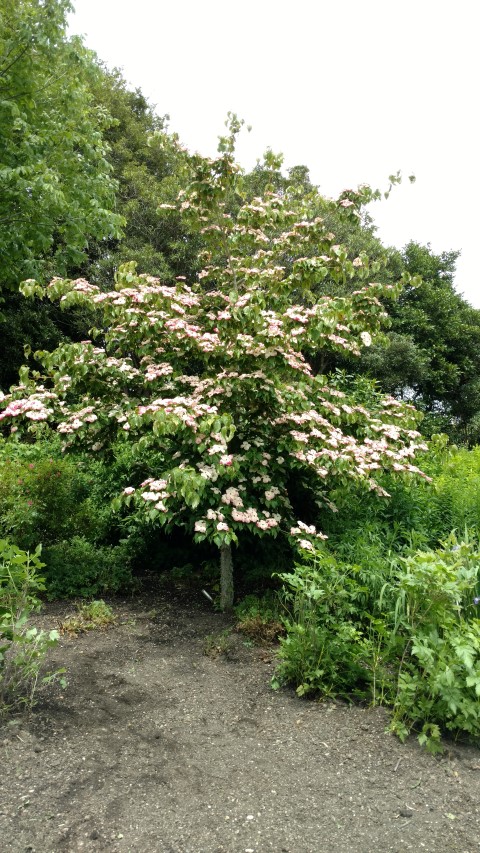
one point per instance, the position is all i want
(432, 352)
(57, 192)
(56, 187)
(150, 168)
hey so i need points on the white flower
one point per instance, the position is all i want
(200, 527)
(307, 528)
(305, 544)
(366, 338)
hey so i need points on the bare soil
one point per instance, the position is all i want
(155, 746)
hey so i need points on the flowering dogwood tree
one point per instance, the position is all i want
(211, 379)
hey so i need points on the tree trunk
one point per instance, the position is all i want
(226, 578)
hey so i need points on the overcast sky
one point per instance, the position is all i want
(353, 89)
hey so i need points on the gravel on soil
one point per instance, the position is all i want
(156, 747)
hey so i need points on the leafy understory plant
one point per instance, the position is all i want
(95, 614)
(220, 644)
(413, 645)
(23, 648)
(212, 380)
(438, 612)
(328, 648)
(260, 619)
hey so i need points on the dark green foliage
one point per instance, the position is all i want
(150, 169)
(433, 347)
(79, 567)
(65, 504)
(35, 325)
(23, 322)
(256, 560)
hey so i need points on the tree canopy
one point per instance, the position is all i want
(82, 155)
(432, 351)
(56, 186)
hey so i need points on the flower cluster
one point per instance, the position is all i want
(34, 407)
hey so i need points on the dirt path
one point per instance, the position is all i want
(155, 747)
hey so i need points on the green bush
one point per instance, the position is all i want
(328, 647)
(456, 501)
(77, 567)
(412, 643)
(22, 648)
(65, 503)
(46, 497)
(436, 611)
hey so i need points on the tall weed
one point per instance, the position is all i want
(22, 647)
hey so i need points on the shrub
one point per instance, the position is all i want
(439, 676)
(413, 643)
(328, 647)
(66, 504)
(42, 496)
(77, 567)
